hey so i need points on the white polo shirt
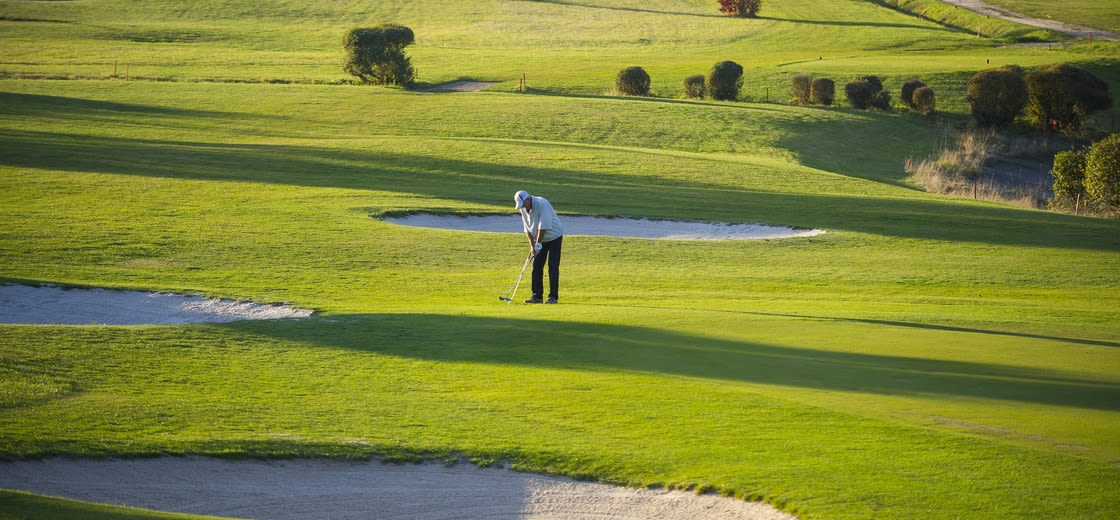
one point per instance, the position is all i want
(542, 217)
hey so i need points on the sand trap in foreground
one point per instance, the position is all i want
(615, 227)
(326, 489)
(55, 305)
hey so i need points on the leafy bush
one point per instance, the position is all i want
(1102, 173)
(1061, 96)
(375, 55)
(1069, 178)
(632, 81)
(822, 91)
(907, 93)
(882, 100)
(694, 86)
(741, 8)
(923, 101)
(724, 80)
(866, 92)
(997, 96)
(800, 88)
(861, 93)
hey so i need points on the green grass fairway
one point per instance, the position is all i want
(927, 357)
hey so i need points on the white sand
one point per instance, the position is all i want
(50, 304)
(616, 227)
(326, 489)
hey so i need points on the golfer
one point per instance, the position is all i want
(546, 235)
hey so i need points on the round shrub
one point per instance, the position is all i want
(907, 93)
(724, 80)
(924, 101)
(861, 93)
(632, 81)
(1102, 173)
(800, 88)
(822, 91)
(694, 86)
(997, 96)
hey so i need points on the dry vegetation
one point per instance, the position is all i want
(987, 165)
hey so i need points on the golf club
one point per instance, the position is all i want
(508, 298)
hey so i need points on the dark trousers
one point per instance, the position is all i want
(550, 252)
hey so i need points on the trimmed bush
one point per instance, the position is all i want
(907, 93)
(861, 93)
(924, 101)
(822, 91)
(1061, 96)
(694, 86)
(997, 96)
(1102, 173)
(800, 88)
(632, 81)
(724, 81)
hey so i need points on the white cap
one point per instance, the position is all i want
(519, 199)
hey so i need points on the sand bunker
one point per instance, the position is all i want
(327, 489)
(615, 227)
(55, 305)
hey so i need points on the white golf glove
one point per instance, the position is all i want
(537, 248)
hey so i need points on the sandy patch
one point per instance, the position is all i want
(326, 489)
(55, 305)
(463, 86)
(615, 227)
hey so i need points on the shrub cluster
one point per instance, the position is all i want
(806, 90)
(1057, 98)
(866, 92)
(1088, 177)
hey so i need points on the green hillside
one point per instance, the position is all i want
(927, 357)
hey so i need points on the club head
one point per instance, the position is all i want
(504, 299)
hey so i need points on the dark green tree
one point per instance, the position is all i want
(375, 55)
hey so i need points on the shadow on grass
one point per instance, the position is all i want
(599, 347)
(483, 182)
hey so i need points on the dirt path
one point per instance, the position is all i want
(327, 489)
(1075, 31)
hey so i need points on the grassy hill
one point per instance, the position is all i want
(926, 358)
